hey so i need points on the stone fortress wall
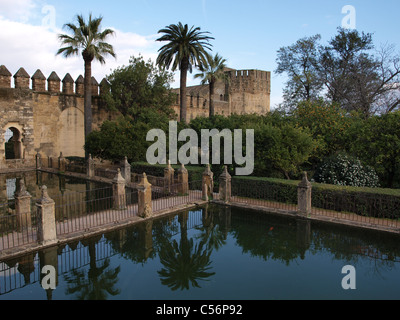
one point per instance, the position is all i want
(47, 116)
(244, 92)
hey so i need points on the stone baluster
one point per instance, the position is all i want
(304, 191)
(46, 234)
(145, 208)
(208, 183)
(119, 193)
(225, 181)
(23, 207)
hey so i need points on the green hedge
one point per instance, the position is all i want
(266, 189)
(372, 202)
(195, 173)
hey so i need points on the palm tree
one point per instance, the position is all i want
(185, 48)
(90, 40)
(214, 71)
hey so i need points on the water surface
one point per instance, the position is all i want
(214, 253)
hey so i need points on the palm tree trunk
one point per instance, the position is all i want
(183, 107)
(88, 100)
(212, 108)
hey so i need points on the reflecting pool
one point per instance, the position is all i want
(213, 253)
(57, 185)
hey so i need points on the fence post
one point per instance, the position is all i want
(208, 183)
(49, 258)
(225, 181)
(183, 180)
(61, 163)
(169, 176)
(304, 190)
(126, 170)
(145, 208)
(119, 194)
(46, 234)
(23, 207)
(90, 167)
(38, 161)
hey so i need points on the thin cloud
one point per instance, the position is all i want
(34, 47)
(19, 10)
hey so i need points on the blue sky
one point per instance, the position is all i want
(247, 33)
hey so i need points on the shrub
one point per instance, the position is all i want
(344, 170)
(371, 202)
(195, 173)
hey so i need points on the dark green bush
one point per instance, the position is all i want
(195, 173)
(376, 202)
(265, 188)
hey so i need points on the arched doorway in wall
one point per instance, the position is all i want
(13, 143)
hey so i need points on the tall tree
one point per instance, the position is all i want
(299, 62)
(140, 86)
(348, 71)
(214, 71)
(185, 48)
(88, 39)
(354, 76)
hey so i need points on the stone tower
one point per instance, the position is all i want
(245, 92)
(249, 91)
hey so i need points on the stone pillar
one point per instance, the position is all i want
(61, 163)
(38, 161)
(119, 193)
(126, 170)
(53, 83)
(21, 79)
(5, 77)
(80, 86)
(95, 87)
(304, 196)
(90, 167)
(145, 207)
(169, 173)
(104, 87)
(68, 84)
(183, 180)
(225, 181)
(208, 183)
(23, 207)
(38, 81)
(46, 234)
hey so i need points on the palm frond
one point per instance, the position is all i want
(86, 37)
(183, 44)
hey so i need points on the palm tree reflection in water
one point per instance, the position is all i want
(96, 283)
(186, 263)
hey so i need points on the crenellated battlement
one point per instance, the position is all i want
(253, 74)
(251, 81)
(245, 92)
(53, 84)
(46, 114)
